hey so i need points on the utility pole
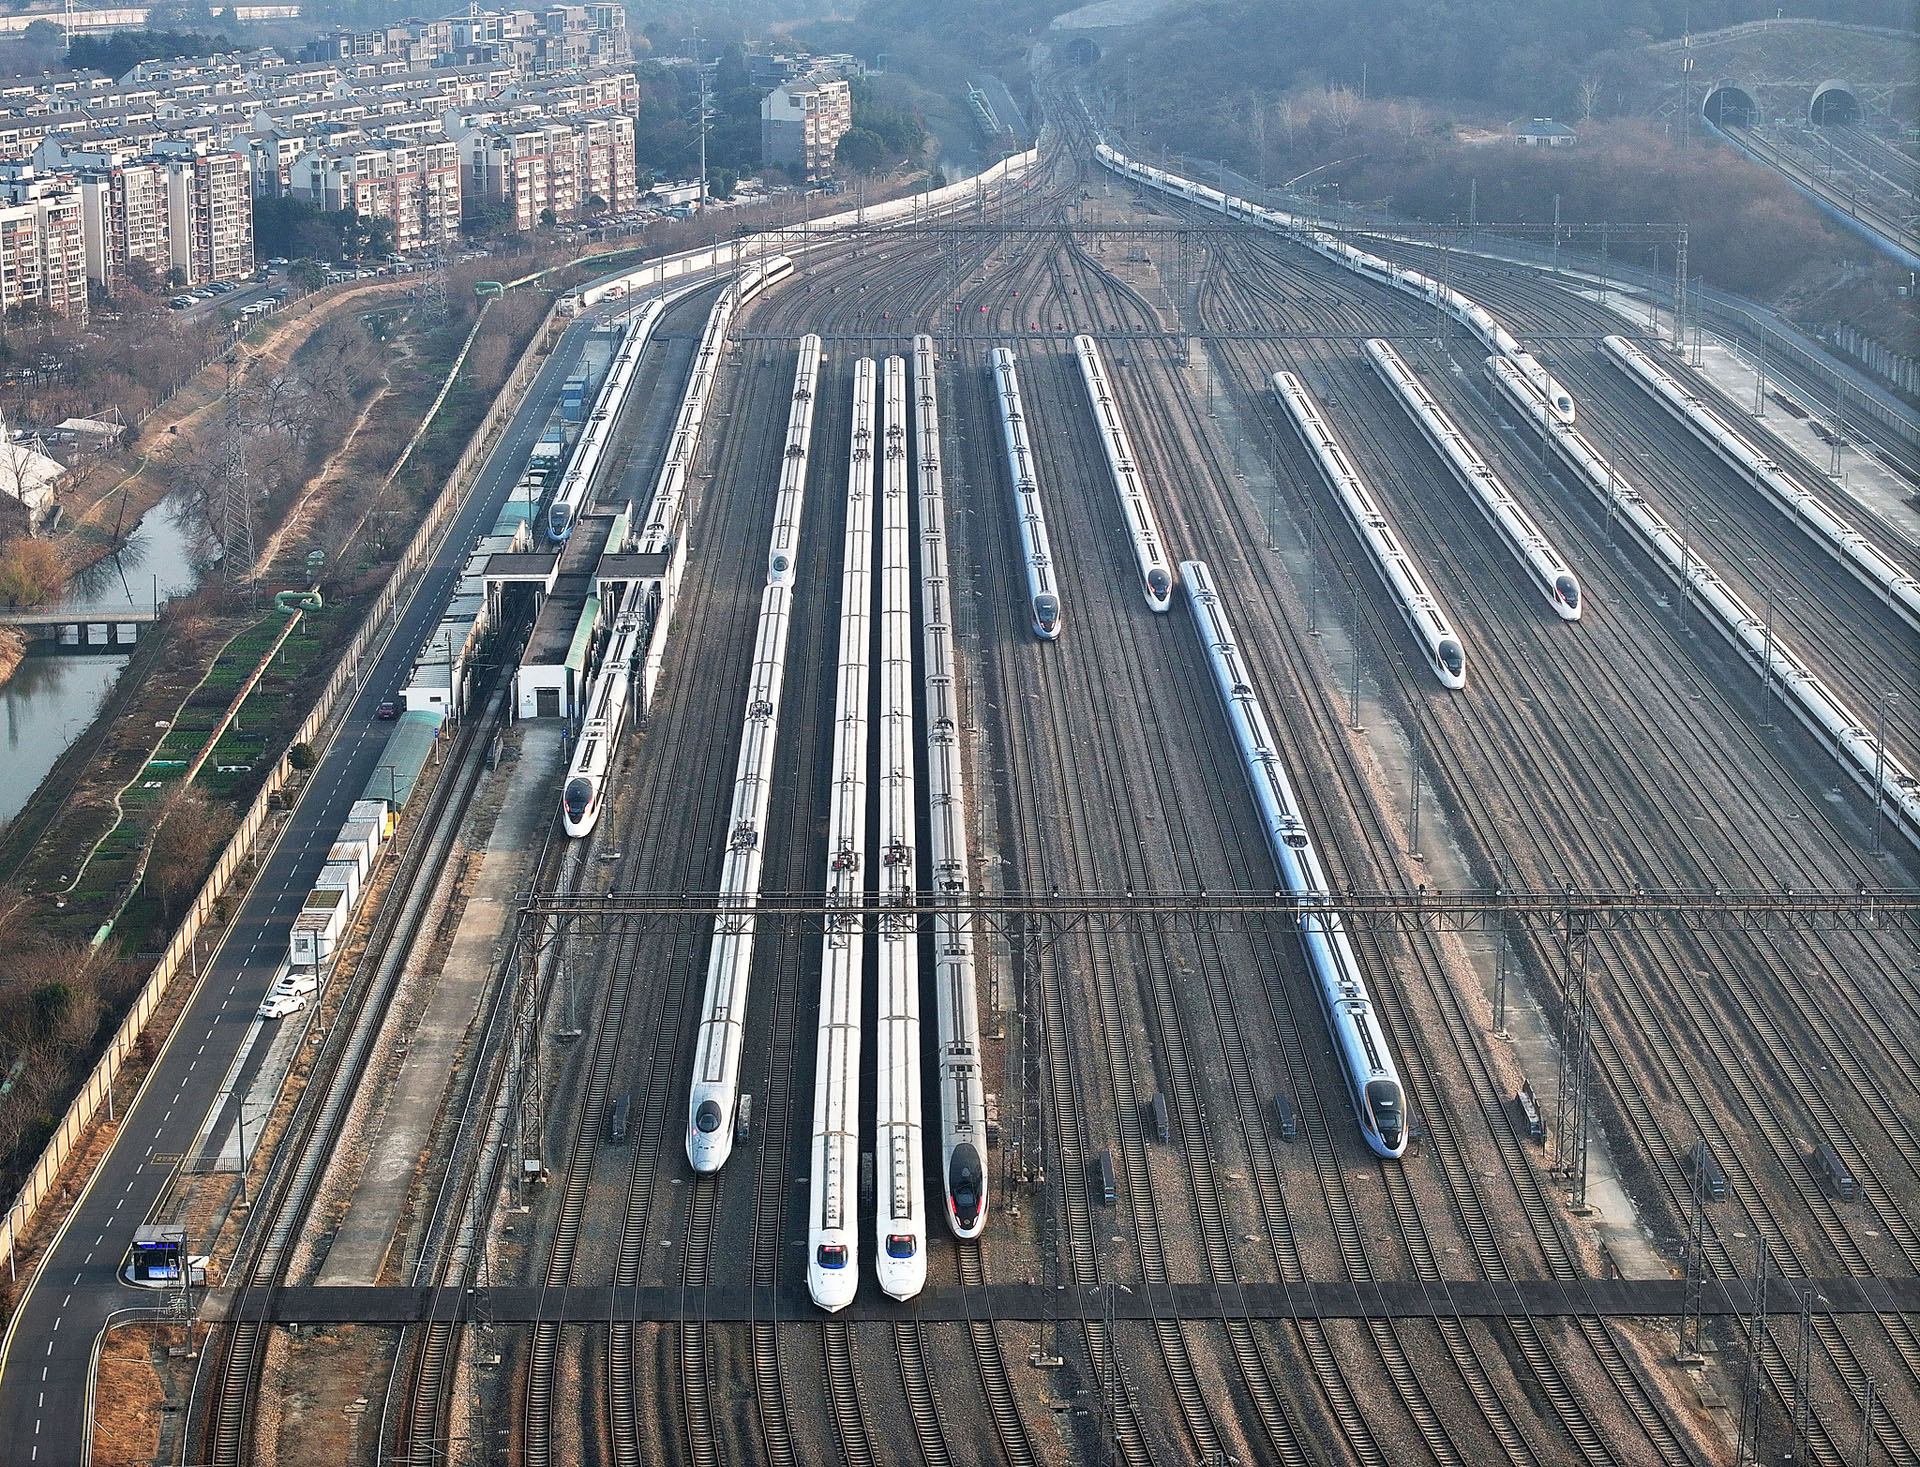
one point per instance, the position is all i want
(1692, 1310)
(1572, 1100)
(1753, 1387)
(701, 67)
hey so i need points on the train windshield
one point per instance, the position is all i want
(1046, 612)
(963, 1184)
(579, 796)
(1159, 582)
(1568, 590)
(902, 1245)
(1451, 657)
(832, 1255)
(708, 1117)
(1383, 1101)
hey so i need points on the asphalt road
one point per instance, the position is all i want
(47, 1356)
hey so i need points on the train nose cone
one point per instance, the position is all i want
(1160, 583)
(708, 1140)
(965, 1176)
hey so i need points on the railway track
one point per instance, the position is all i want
(1843, 1357)
(300, 1161)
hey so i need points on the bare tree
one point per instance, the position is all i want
(1589, 97)
(190, 831)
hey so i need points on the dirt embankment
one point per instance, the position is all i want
(13, 647)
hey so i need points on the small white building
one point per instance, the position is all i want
(1544, 132)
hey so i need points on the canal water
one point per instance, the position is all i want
(49, 701)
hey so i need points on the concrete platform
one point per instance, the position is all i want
(529, 793)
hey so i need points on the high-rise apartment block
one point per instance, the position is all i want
(416, 185)
(801, 123)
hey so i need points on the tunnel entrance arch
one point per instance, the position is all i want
(1835, 105)
(1728, 105)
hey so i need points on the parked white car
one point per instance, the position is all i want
(278, 1005)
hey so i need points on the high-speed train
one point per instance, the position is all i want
(1469, 313)
(963, 1114)
(785, 547)
(900, 1203)
(1143, 527)
(1417, 605)
(607, 701)
(1043, 591)
(1373, 1081)
(1544, 564)
(715, 1089)
(833, 1223)
(597, 432)
(1899, 590)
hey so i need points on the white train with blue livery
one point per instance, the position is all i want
(713, 1096)
(1469, 313)
(596, 436)
(833, 1183)
(963, 1110)
(1544, 564)
(1143, 526)
(1373, 1081)
(1043, 590)
(1418, 606)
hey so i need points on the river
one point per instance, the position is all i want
(49, 701)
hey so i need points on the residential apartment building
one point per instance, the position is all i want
(209, 216)
(42, 247)
(801, 122)
(124, 219)
(563, 165)
(416, 185)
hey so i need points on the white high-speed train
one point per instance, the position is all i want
(963, 1115)
(833, 1224)
(607, 701)
(1043, 590)
(1545, 565)
(1469, 313)
(900, 1203)
(1143, 527)
(1373, 1081)
(597, 432)
(1417, 605)
(715, 1090)
(1867, 561)
(788, 504)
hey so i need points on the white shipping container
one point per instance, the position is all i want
(314, 936)
(341, 874)
(325, 899)
(351, 853)
(374, 811)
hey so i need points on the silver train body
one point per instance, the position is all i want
(1143, 527)
(1373, 1081)
(1439, 642)
(1876, 768)
(1544, 565)
(900, 1211)
(1043, 589)
(664, 512)
(833, 1223)
(963, 1115)
(590, 452)
(757, 277)
(715, 1090)
(1860, 555)
(607, 701)
(1469, 313)
(784, 548)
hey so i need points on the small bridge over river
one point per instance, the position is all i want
(62, 633)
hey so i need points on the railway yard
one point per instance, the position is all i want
(1191, 1252)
